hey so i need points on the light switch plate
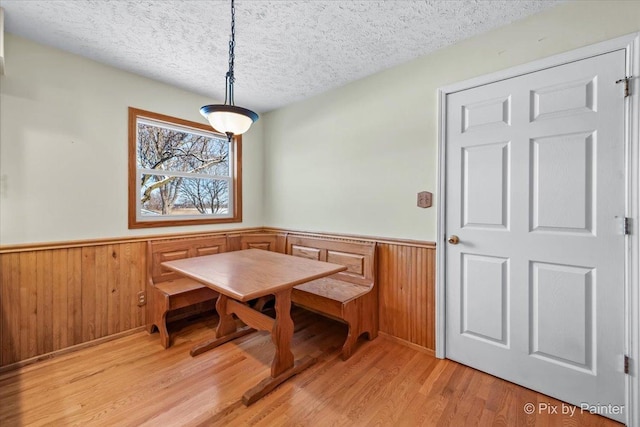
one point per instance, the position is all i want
(424, 199)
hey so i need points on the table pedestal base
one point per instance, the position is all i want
(215, 342)
(283, 366)
(268, 384)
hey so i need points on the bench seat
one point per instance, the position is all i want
(334, 289)
(178, 286)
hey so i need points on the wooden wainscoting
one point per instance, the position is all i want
(406, 282)
(57, 298)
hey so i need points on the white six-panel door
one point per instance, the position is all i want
(535, 192)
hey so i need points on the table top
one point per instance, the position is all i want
(251, 273)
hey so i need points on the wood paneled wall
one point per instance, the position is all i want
(56, 298)
(406, 280)
(59, 295)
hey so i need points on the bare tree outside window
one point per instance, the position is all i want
(181, 172)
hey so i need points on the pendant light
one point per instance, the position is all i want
(229, 118)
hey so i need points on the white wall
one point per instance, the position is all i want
(63, 146)
(352, 160)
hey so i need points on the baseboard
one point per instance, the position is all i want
(67, 350)
(420, 348)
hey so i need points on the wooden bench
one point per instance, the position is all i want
(166, 290)
(350, 296)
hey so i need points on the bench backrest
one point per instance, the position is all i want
(274, 242)
(357, 256)
(159, 251)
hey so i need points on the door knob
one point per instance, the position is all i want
(454, 240)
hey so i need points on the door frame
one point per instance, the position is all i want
(631, 45)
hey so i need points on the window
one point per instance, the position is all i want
(181, 173)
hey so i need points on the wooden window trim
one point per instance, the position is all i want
(134, 113)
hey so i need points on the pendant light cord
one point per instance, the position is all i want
(228, 118)
(228, 94)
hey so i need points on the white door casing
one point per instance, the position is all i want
(535, 189)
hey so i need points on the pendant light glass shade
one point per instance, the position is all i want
(229, 119)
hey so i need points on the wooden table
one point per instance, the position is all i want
(241, 276)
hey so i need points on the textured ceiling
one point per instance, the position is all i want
(285, 50)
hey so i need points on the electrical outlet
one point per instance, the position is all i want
(142, 298)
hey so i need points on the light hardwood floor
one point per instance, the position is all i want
(134, 381)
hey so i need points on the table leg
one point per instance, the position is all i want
(283, 366)
(227, 324)
(282, 334)
(227, 329)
